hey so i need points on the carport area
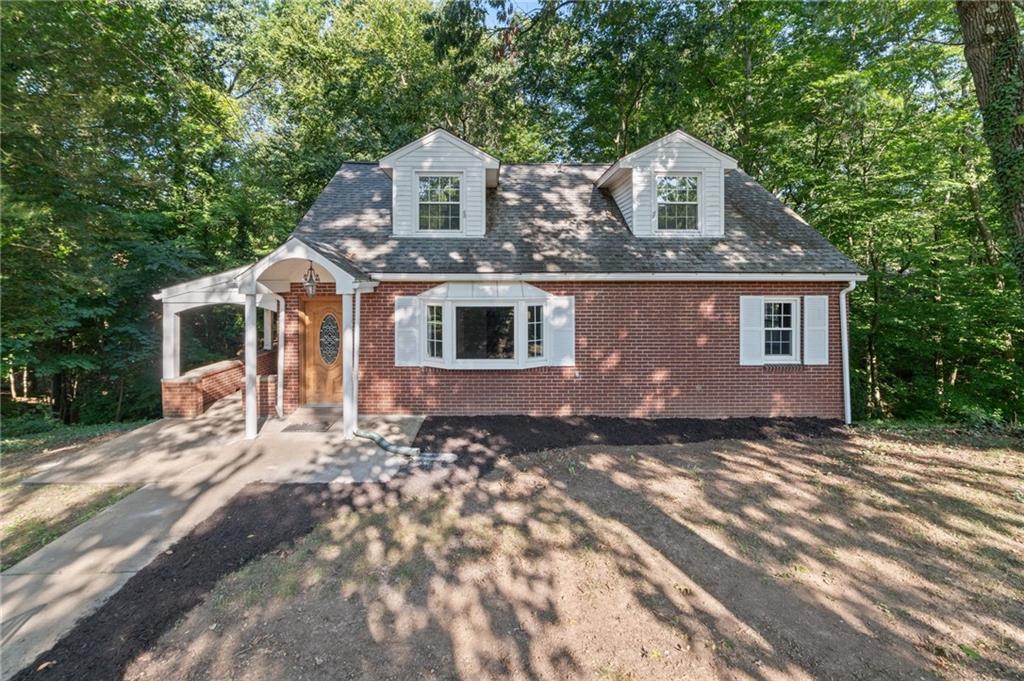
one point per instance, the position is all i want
(188, 469)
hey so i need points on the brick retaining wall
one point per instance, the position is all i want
(193, 392)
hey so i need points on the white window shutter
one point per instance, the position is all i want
(561, 314)
(815, 329)
(407, 331)
(751, 330)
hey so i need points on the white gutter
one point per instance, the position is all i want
(844, 335)
(613, 276)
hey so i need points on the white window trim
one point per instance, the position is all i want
(782, 359)
(519, 359)
(435, 233)
(675, 233)
(542, 357)
(448, 360)
(425, 350)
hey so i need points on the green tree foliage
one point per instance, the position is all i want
(146, 143)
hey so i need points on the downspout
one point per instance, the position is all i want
(844, 336)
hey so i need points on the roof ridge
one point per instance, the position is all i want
(556, 163)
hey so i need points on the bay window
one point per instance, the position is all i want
(485, 326)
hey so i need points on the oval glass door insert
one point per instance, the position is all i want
(329, 338)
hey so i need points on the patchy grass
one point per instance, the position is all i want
(35, 515)
(881, 555)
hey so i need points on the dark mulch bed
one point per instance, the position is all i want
(507, 435)
(263, 517)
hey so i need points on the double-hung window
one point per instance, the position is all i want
(677, 203)
(780, 334)
(435, 331)
(440, 203)
(534, 331)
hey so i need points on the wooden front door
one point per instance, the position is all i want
(321, 350)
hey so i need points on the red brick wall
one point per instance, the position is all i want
(266, 362)
(266, 395)
(181, 399)
(642, 349)
(193, 392)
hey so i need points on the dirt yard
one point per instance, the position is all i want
(878, 556)
(35, 515)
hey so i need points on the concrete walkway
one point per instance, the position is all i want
(189, 468)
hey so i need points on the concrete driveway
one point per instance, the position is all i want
(189, 468)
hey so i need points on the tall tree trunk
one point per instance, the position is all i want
(61, 407)
(14, 388)
(120, 399)
(984, 233)
(995, 56)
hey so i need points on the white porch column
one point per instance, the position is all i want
(355, 354)
(268, 325)
(250, 367)
(280, 358)
(348, 403)
(171, 342)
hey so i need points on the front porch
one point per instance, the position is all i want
(311, 306)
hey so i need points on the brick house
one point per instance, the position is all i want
(439, 281)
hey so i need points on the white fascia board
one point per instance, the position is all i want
(619, 276)
(187, 301)
(609, 176)
(224, 280)
(439, 133)
(295, 248)
(727, 161)
(627, 162)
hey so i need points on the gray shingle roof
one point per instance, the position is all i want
(551, 218)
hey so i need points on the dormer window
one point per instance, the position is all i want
(440, 204)
(678, 202)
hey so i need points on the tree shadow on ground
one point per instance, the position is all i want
(844, 558)
(815, 559)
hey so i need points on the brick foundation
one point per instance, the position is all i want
(642, 350)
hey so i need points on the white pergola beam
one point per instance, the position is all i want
(190, 299)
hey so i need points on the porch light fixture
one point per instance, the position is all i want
(309, 280)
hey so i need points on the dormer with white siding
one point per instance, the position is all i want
(439, 187)
(673, 187)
